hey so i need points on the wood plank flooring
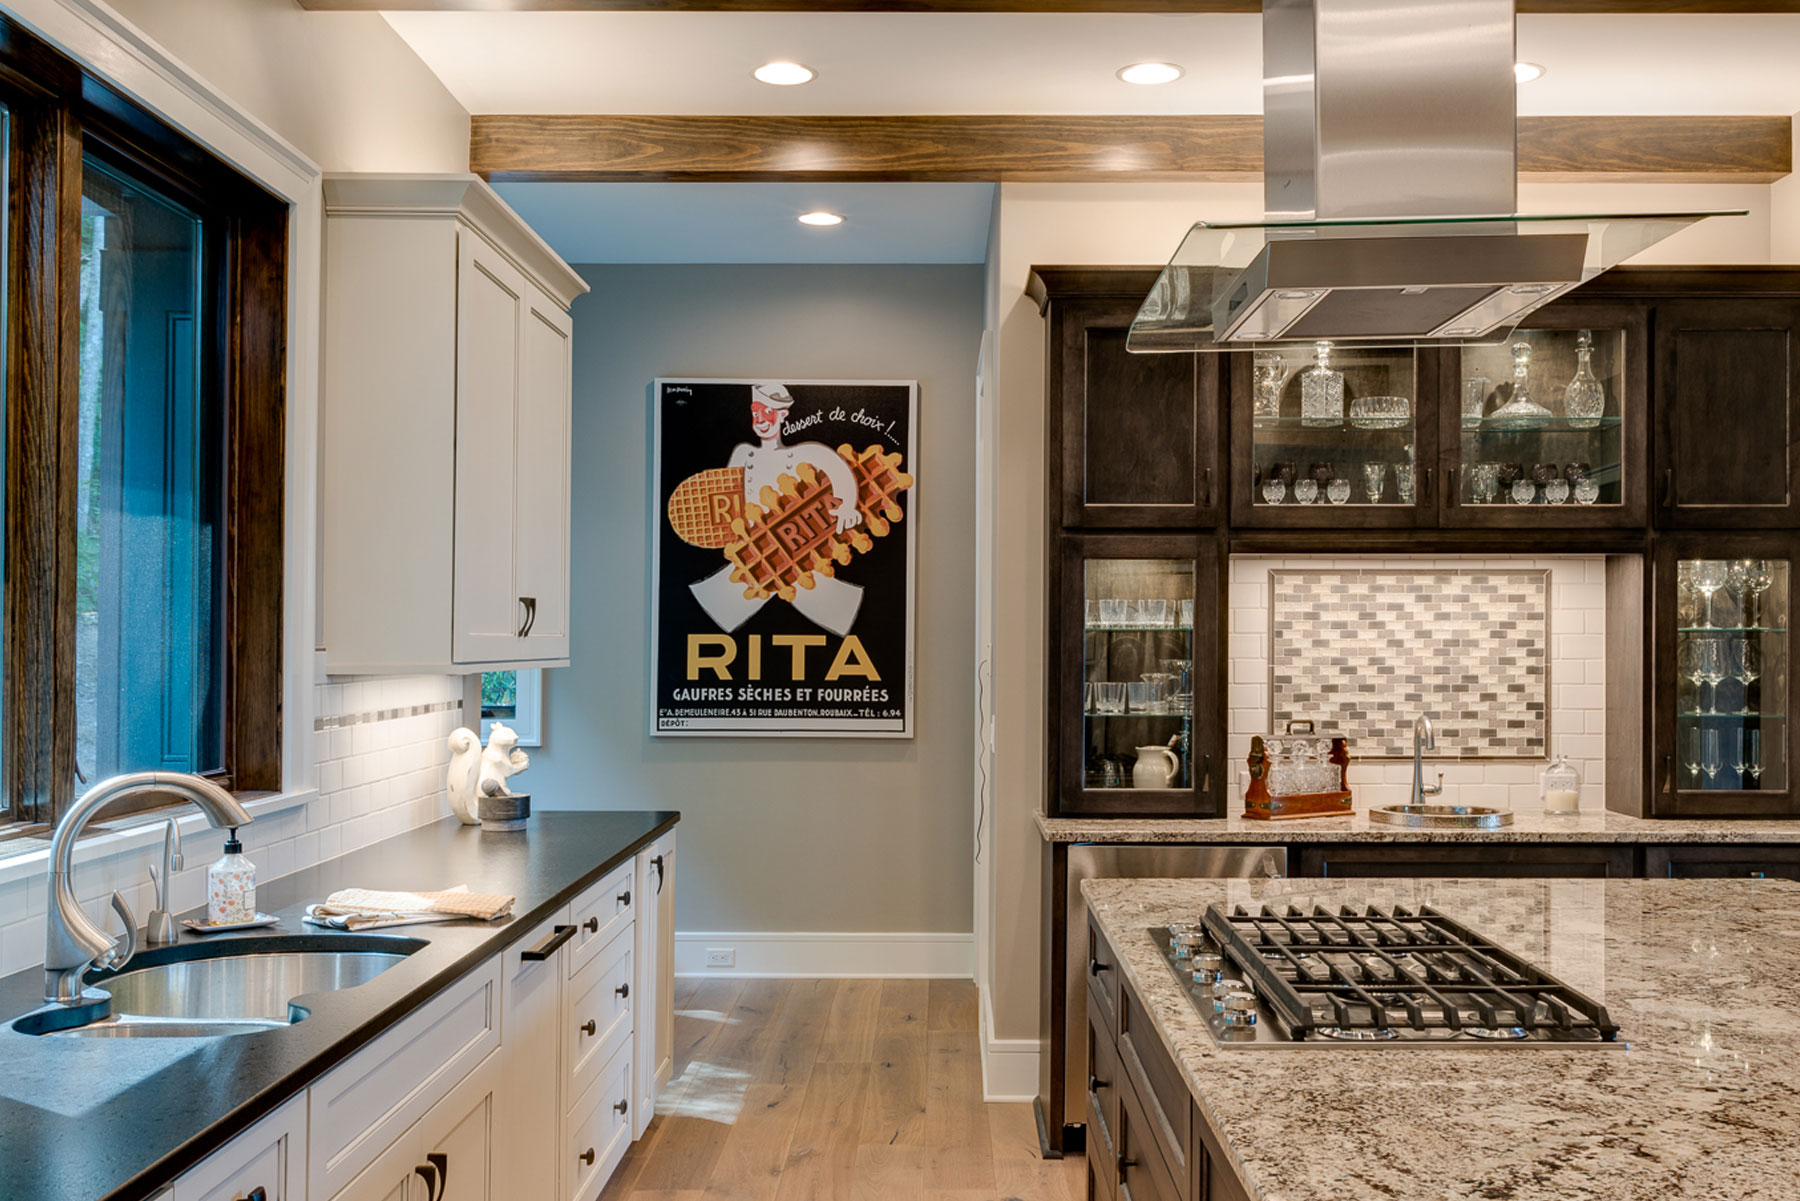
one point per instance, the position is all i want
(834, 1090)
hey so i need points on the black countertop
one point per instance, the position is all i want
(107, 1119)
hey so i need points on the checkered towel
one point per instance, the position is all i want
(367, 908)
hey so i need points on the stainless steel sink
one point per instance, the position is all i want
(1443, 817)
(211, 993)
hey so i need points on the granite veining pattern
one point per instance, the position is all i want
(1705, 1104)
(1590, 825)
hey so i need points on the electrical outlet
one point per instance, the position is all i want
(720, 957)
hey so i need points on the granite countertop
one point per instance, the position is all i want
(1590, 825)
(116, 1119)
(1698, 974)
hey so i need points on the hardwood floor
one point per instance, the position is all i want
(834, 1090)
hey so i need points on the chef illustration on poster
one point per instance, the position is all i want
(783, 577)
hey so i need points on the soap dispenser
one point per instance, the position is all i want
(231, 886)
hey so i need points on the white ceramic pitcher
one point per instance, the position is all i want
(1156, 767)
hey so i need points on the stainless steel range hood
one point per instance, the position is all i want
(1390, 182)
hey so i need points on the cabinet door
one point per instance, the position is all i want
(458, 1138)
(1727, 387)
(1722, 863)
(397, 1174)
(530, 1112)
(653, 999)
(1327, 438)
(1580, 462)
(266, 1162)
(1138, 650)
(1138, 433)
(488, 613)
(1723, 740)
(1501, 860)
(541, 472)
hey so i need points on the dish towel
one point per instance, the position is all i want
(369, 909)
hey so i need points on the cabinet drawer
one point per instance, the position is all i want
(600, 913)
(1104, 1080)
(1144, 1173)
(598, 1132)
(266, 1157)
(1102, 1158)
(365, 1103)
(599, 1016)
(1103, 977)
(1156, 1080)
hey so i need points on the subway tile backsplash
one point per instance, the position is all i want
(1576, 713)
(381, 748)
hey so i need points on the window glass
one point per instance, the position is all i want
(150, 538)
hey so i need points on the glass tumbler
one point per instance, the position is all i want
(1337, 491)
(1374, 481)
(1474, 400)
(1273, 492)
(1403, 482)
(1306, 491)
(1523, 492)
(1485, 479)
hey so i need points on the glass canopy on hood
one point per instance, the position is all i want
(1382, 282)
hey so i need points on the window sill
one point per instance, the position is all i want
(28, 858)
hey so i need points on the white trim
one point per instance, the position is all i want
(812, 955)
(1009, 1066)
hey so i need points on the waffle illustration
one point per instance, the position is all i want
(792, 534)
(703, 507)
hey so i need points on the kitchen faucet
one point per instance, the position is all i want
(73, 943)
(159, 927)
(1424, 739)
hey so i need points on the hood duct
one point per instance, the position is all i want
(1390, 182)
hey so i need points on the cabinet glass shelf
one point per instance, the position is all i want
(1729, 630)
(1093, 629)
(1137, 682)
(1731, 659)
(1699, 714)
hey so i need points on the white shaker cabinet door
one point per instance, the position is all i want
(530, 1110)
(397, 1174)
(541, 467)
(265, 1163)
(458, 1137)
(654, 1002)
(489, 612)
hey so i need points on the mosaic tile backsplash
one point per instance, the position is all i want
(1364, 652)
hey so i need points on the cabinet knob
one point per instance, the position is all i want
(592, 925)
(1125, 1164)
(620, 1108)
(589, 1027)
(624, 990)
(624, 898)
(587, 1157)
(1095, 967)
(259, 1193)
(1095, 1084)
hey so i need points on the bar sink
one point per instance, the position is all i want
(200, 990)
(1442, 817)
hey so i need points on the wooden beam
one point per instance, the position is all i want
(1064, 148)
(1000, 6)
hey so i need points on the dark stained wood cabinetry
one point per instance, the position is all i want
(1714, 862)
(1499, 860)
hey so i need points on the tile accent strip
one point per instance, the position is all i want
(1363, 652)
(375, 715)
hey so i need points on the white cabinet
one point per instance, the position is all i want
(654, 1054)
(444, 476)
(447, 1155)
(531, 1107)
(265, 1163)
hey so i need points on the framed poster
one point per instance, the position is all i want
(778, 609)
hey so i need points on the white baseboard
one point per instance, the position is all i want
(811, 955)
(1009, 1066)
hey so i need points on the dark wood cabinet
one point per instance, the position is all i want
(1499, 860)
(1138, 434)
(1727, 412)
(1107, 656)
(1714, 862)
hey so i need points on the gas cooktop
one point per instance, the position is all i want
(1393, 977)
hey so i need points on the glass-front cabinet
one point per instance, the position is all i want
(1139, 686)
(1326, 436)
(1724, 685)
(1548, 427)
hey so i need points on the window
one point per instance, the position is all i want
(515, 698)
(144, 349)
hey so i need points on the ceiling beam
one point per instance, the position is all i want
(1002, 6)
(1069, 148)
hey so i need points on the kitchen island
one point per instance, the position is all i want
(1703, 1103)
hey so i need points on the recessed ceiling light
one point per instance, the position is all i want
(1526, 72)
(783, 74)
(821, 217)
(1150, 73)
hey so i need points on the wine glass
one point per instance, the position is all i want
(1746, 666)
(1685, 595)
(1689, 667)
(1737, 584)
(1712, 666)
(1709, 577)
(1712, 758)
(1738, 763)
(1690, 751)
(1762, 577)
(1754, 759)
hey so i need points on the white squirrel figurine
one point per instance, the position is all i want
(501, 759)
(465, 769)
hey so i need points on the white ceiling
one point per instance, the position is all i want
(755, 222)
(871, 63)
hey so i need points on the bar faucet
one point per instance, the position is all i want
(1424, 739)
(72, 942)
(159, 927)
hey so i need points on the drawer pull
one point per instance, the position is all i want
(589, 1027)
(1125, 1164)
(661, 871)
(592, 925)
(259, 1193)
(428, 1173)
(620, 1108)
(624, 898)
(624, 990)
(441, 1162)
(1095, 1084)
(587, 1157)
(558, 936)
(1095, 967)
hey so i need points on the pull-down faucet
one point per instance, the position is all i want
(73, 943)
(1424, 739)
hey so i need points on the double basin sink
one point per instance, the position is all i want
(212, 990)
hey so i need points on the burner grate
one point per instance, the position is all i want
(1373, 974)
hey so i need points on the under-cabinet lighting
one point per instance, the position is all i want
(1526, 72)
(821, 217)
(1149, 74)
(784, 74)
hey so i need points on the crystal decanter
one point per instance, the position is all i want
(1322, 391)
(1521, 412)
(1584, 400)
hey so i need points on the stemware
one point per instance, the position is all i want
(1738, 763)
(1689, 667)
(1712, 758)
(1486, 482)
(1374, 481)
(1712, 665)
(1403, 482)
(1737, 586)
(1709, 577)
(1762, 578)
(1753, 760)
(1690, 750)
(1746, 667)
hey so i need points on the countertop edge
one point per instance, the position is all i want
(169, 1167)
(1230, 831)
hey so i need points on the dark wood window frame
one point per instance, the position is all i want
(58, 113)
